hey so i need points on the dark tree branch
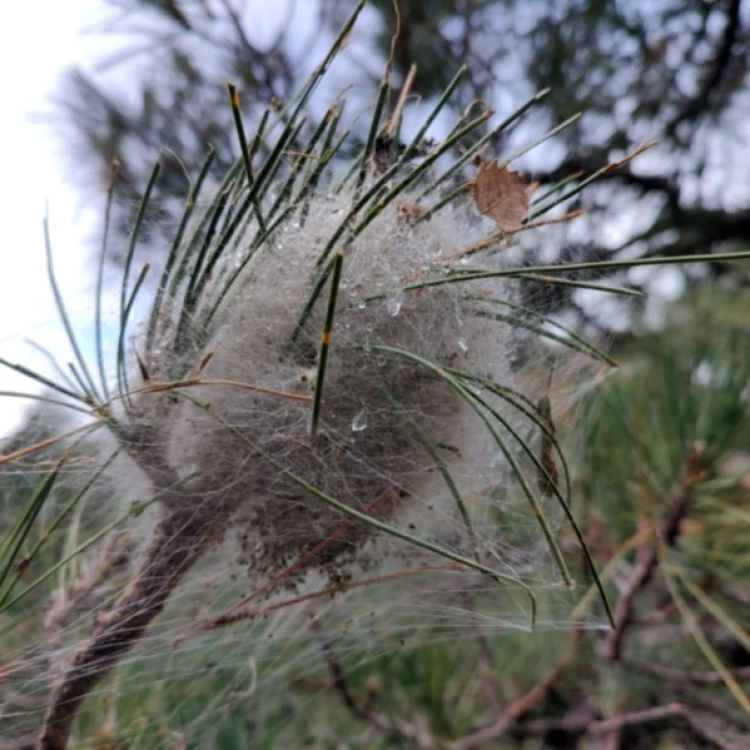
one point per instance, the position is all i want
(696, 106)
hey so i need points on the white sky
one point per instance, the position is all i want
(38, 39)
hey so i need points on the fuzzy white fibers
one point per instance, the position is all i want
(384, 415)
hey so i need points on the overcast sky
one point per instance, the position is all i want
(37, 41)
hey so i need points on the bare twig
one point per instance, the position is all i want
(395, 727)
(378, 722)
(235, 615)
(671, 711)
(27, 451)
(703, 699)
(647, 558)
(522, 705)
(702, 677)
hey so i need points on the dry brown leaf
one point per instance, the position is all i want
(502, 195)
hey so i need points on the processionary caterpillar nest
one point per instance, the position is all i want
(377, 405)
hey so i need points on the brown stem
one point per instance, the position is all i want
(379, 723)
(647, 559)
(383, 725)
(481, 737)
(682, 676)
(677, 712)
(177, 542)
